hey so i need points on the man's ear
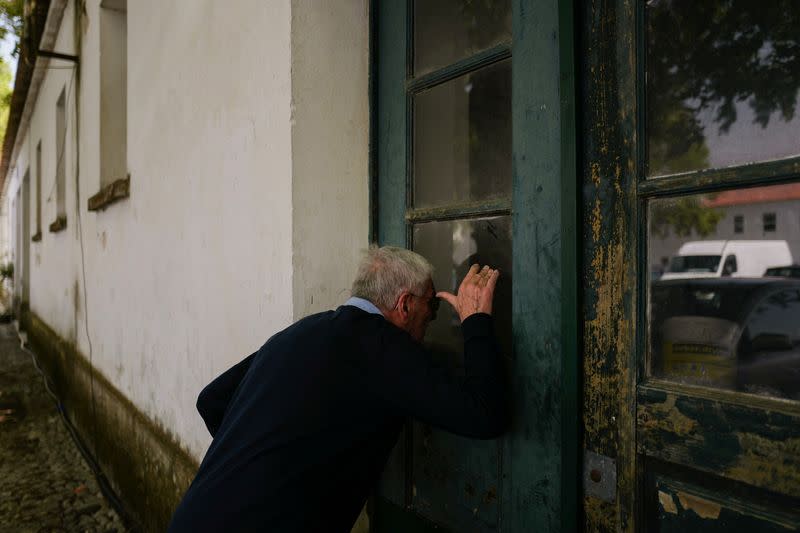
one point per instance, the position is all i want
(402, 303)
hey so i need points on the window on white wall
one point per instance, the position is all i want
(61, 180)
(38, 235)
(114, 180)
(738, 224)
(769, 222)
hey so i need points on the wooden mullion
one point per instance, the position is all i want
(494, 207)
(459, 68)
(765, 173)
(654, 386)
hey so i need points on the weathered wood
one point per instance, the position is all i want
(492, 207)
(391, 177)
(59, 224)
(719, 178)
(753, 445)
(609, 172)
(533, 485)
(111, 193)
(686, 508)
(459, 68)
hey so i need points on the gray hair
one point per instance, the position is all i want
(385, 272)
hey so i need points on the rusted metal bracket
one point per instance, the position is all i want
(599, 476)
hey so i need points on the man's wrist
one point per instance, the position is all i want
(477, 324)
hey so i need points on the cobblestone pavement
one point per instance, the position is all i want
(45, 484)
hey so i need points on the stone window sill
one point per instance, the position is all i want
(37, 237)
(60, 224)
(111, 193)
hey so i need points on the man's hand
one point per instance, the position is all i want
(475, 293)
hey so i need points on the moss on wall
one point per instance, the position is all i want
(143, 461)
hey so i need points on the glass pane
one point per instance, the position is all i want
(461, 473)
(462, 138)
(725, 290)
(448, 30)
(723, 83)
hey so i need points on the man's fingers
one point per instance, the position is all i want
(492, 280)
(473, 270)
(449, 298)
(480, 278)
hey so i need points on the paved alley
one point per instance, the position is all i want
(45, 484)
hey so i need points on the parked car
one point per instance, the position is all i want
(790, 271)
(741, 334)
(716, 259)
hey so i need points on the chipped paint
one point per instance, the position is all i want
(600, 515)
(743, 443)
(665, 415)
(609, 249)
(667, 503)
(765, 462)
(597, 220)
(704, 508)
(595, 173)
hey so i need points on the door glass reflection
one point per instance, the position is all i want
(724, 300)
(452, 246)
(723, 83)
(461, 471)
(462, 138)
(448, 30)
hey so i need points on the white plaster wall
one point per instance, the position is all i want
(248, 136)
(54, 271)
(193, 271)
(330, 139)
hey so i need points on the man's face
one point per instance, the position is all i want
(421, 312)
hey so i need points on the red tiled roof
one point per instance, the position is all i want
(755, 195)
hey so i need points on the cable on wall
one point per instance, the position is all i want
(102, 480)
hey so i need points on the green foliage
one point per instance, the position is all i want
(11, 21)
(683, 215)
(5, 96)
(7, 271)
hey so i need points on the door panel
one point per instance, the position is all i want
(681, 507)
(693, 399)
(457, 480)
(715, 433)
(475, 163)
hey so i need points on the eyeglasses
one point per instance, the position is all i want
(433, 302)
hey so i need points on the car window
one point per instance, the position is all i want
(672, 298)
(730, 266)
(769, 348)
(694, 263)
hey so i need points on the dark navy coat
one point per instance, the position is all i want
(303, 427)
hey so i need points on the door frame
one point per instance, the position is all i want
(541, 454)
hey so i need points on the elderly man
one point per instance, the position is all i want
(303, 427)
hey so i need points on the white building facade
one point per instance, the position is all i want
(166, 212)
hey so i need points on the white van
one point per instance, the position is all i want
(715, 259)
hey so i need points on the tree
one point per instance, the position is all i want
(683, 215)
(5, 96)
(710, 56)
(12, 21)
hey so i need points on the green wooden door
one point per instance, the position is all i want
(475, 163)
(691, 190)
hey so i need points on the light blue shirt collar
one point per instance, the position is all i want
(364, 305)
